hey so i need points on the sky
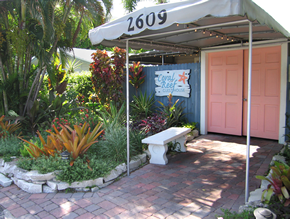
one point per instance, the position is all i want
(278, 9)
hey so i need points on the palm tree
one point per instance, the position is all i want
(37, 28)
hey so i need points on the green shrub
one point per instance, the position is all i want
(191, 125)
(136, 137)
(114, 145)
(10, 146)
(173, 112)
(80, 82)
(113, 116)
(246, 214)
(25, 163)
(142, 105)
(80, 170)
(42, 164)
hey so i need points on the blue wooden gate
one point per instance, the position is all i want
(192, 103)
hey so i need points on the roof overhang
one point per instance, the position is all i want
(189, 26)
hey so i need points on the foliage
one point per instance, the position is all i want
(80, 172)
(112, 116)
(279, 183)
(83, 115)
(136, 137)
(37, 29)
(36, 117)
(43, 164)
(287, 126)
(246, 214)
(56, 76)
(153, 124)
(72, 66)
(108, 76)
(191, 125)
(10, 146)
(142, 105)
(78, 140)
(136, 78)
(114, 145)
(49, 148)
(81, 83)
(7, 128)
(173, 112)
(286, 153)
(278, 208)
(25, 163)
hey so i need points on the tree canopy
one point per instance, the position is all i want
(38, 29)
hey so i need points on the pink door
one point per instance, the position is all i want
(225, 84)
(266, 64)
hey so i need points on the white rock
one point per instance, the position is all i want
(4, 181)
(95, 189)
(47, 189)
(35, 176)
(195, 133)
(87, 183)
(52, 185)
(134, 164)
(142, 157)
(86, 189)
(264, 184)
(9, 167)
(20, 173)
(278, 158)
(2, 162)
(28, 187)
(147, 152)
(256, 195)
(39, 182)
(62, 185)
(191, 135)
(116, 172)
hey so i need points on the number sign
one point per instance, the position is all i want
(148, 20)
(172, 81)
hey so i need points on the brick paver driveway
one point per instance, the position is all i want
(195, 184)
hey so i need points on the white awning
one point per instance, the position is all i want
(187, 26)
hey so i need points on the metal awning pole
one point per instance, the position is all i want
(127, 101)
(162, 59)
(249, 113)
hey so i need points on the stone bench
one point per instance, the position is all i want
(158, 143)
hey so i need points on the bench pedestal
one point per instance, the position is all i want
(181, 146)
(158, 154)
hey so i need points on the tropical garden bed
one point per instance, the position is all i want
(84, 116)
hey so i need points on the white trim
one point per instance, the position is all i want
(283, 92)
(283, 87)
(203, 93)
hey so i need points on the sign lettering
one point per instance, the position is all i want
(172, 81)
(148, 20)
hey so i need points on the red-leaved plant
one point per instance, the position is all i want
(108, 76)
(137, 76)
(279, 183)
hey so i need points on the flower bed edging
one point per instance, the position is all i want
(34, 182)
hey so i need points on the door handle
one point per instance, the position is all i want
(245, 99)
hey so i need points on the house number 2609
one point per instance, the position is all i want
(149, 20)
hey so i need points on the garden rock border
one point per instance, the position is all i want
(34, 182)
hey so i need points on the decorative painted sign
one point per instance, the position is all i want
(172, 81)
